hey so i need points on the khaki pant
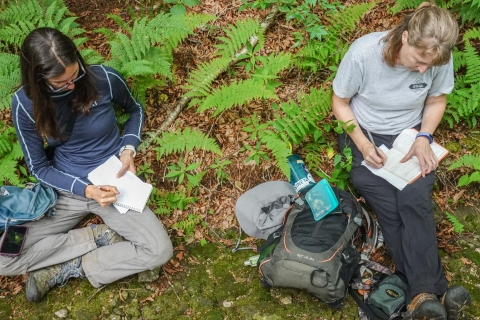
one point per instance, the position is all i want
(51, 240)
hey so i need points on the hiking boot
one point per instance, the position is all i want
(456, 301)
(105, 236)
(39, 282)
(425, 306)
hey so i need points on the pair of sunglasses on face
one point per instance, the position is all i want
(79, 76)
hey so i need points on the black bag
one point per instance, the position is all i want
(316, 256)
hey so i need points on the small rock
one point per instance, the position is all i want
(118, 312)
(114, 317)
(227, 304)
(149, 275)
(61, 313)
(286, 300)
(124, 295)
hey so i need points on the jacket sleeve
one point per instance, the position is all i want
(33, 150)
(122, 96)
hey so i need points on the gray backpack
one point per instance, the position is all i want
(317, 256)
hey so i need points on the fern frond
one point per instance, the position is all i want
(471, 57)
(175, 142)
(320, 54)
(235, 94)
(119, 21)
(467, 10)
(200, 80)
(279, 149)
(457, 225)
(9, 78)
(297, 121)
(10, 153)
(404, 4)
(467, 160)
(238, 36)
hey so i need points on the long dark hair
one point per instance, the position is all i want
(45, 53)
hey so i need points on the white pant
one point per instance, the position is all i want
(51, 240)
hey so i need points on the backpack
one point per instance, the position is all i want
(317, 256)
(20, 205)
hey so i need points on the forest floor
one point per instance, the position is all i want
(211, 282)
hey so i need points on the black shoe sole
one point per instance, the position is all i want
(430, 310)
(456, 302)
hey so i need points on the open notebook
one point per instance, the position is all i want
(134, 193)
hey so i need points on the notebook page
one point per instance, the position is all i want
(134, 193)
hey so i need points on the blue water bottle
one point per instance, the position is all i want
(300, 177)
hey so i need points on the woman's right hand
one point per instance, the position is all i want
(370, 155)
(104, 195)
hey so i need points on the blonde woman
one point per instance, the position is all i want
(387, 82)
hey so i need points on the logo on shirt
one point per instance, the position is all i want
(418, 86)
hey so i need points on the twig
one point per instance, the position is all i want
(98, 290)
(171, 285)
(184, 100)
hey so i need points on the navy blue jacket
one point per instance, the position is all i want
(95, 137)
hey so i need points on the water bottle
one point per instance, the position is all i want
(252, 261)
(300, 177)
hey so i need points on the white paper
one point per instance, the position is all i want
(134, 193)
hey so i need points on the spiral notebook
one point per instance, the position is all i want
(134, 193)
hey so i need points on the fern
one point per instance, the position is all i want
(235, 94)
(166, 202)
(404, 4)
(467, 10)
(175, 142)
(143, 52)
(19, 19)
(457, 225)
(468, 161)
(463, 102)
(10, 153)
(9, 78)
(238, 36)
(320, 54)
(279, 149)
(188, 225)
(201, 80)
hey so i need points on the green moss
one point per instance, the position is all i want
(453, 146)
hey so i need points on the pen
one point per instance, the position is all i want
(374, 146)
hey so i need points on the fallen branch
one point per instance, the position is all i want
(265, 24)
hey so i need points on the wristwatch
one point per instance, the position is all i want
(426, 135)
(128, 147)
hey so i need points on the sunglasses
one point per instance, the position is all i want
(80, 76)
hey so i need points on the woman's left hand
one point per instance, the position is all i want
(127, 163)
(426, 158)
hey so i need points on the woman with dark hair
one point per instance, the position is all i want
(387, 82)
(70, 105)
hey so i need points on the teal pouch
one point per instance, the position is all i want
(321, 199)
(390, 295)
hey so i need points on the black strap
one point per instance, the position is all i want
(272, 238)
(371, 311)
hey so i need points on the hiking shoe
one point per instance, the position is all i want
(456, 301)
(39, 282)
(105, 236)
(425, 306)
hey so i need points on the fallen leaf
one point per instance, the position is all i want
(465, 260)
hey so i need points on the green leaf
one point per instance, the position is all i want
(178, 10)
(190, 3)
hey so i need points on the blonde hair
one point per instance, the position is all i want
(431, 29)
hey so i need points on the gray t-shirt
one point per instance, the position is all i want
(386, 100)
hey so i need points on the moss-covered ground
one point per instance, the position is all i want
(215, 284)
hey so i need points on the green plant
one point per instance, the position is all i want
(186, 140)
(188, 225)
(9, 78)
(328, 53)
(254, 127)
(219, 167)
(10, 153)
(144, 169)
(166, 202)
(255, 154)
(178, 7)
(457, 225)
(463, 102)
(468, 161)
(180, 171)
(143, 52)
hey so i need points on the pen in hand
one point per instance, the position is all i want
(374, 146)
